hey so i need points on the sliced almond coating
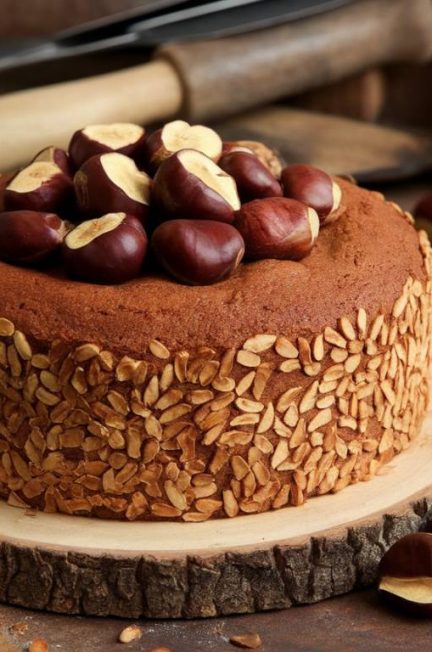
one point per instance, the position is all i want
(259, 343)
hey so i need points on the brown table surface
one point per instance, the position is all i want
(357, 622)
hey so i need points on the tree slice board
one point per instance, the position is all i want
(297, 555)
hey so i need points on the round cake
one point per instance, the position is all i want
(159, 400)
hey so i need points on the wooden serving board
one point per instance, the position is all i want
(300, 555)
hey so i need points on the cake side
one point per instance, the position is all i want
(246, 411)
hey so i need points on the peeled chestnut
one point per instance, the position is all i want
(108, 250)
(178, 135)
(267, 156)
(112, 183)
(405, 574)
(277, 228)
(190, 185)
(253, 179)
(198, 252)
(29, 236)
(43, 185)
(123, 138)
(313, 187)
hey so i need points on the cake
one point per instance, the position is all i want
(157, 400)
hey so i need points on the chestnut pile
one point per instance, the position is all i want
(203, 203)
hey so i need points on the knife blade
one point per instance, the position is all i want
(205, 19)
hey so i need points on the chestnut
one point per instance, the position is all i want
(313, 187)
(29, 236)
(198, 252)
(123, 138)
(268, 156)
(188, 184)
(253, 179)
(56, 156)
(277, 228)
(405, 574)
(108, 250)
(4, 180)
(178, 135)
(43, 185)
(112, 183)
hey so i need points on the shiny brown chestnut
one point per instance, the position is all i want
(29, 236)
(313, 187)
(43, 185)
(56, 156)
(108, 250)
(277, 228)
(122, 137)
(268, 156)
(405, 574)
(4, 180)
(253, 179)
(190, 185)
(177, 135)
(198, 252)
(112, 183)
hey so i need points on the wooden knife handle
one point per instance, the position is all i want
(33, 119)
(230, 75)
(214, 79)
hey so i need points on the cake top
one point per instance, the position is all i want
(359, 261)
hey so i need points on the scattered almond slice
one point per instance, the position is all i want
(130, 633)
(250, 641)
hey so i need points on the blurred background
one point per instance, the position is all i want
(346, 84)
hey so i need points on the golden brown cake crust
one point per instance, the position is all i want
(154, 400)
(363, 259)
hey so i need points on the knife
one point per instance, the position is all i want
(158, 23)
(207, 80)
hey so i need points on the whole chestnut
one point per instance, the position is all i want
(43, 185)
(313, 187)
(4, 180)
(405, 574)
(177, 135)
(268, 156)
(277, 227)
(190, 185)
(111, 182)
(123, 138)
(108, 250)
(253, 179)
(29, 236)
(198, 252)
(56, 156)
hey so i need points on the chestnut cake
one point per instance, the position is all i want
(154, 399)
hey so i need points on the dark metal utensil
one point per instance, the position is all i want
(158, 23)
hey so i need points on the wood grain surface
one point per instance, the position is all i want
(358, 622)
(371, 153)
